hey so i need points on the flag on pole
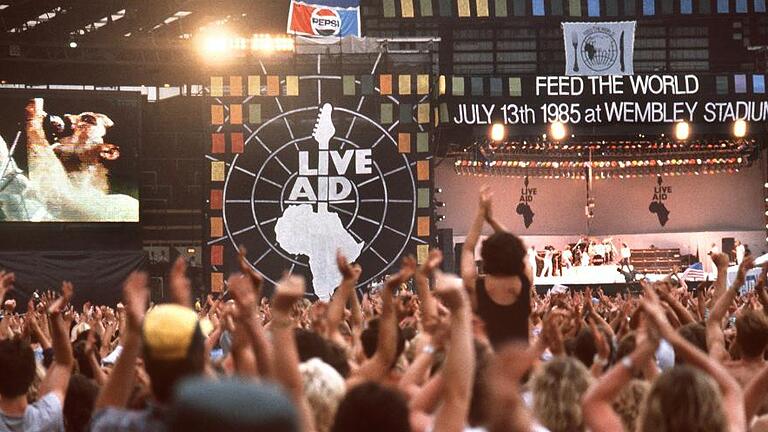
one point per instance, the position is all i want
(337, 18)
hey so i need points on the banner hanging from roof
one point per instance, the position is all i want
(325, 18)
(599, 48)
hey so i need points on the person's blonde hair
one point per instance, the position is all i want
(324, 389)
(557, 391)
(683, 399)
(629, 402)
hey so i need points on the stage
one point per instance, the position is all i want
(598, 275)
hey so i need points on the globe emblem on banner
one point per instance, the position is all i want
(314, 180)
(325, 22)
(599, 50)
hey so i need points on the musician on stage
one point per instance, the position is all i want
(740, 250)
(610, 250)
(626, 254)
(566, 258)
(549, 253)
(598, 253)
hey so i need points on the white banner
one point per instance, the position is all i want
(599, 48)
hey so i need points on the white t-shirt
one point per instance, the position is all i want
(599, 249)
(45, 415)
(741, 250)
(626, 252)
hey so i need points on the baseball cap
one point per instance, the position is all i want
(169, 331)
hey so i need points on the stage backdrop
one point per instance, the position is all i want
(97, 275)
(305, 160)
(719, 202)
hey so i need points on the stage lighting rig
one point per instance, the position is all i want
(498, 132)
(739, 128)
(558, 131)
(682, 131)
(220, 44)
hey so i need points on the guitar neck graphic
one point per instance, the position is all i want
(324, 129)
(322, 133)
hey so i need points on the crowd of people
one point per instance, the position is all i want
(475, 352)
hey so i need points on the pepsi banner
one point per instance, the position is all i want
(325, 18)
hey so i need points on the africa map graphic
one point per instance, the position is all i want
(323, 230)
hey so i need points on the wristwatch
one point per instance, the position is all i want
(428, 349)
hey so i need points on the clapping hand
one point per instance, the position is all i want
(136, 297)
(288, 291)
(407, 270)
(348, 271)
(180, 286)
(486, 203)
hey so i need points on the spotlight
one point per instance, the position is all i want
(740, 128)
(73, 44)
(271, 43)
(682, 131)
(498, 132)
(557, 131)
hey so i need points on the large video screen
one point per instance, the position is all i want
(69, 156)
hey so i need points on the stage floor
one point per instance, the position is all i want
(604, 274)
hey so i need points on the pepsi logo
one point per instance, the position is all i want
(326, 22)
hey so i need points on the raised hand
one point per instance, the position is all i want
(180, 286)
(450, 289)
(288, 291)
(432, 262)
(407, 269)
(486, 202)
(57, 306)
(136, 297)
(6, 283)
(741, 274)
(348, 272)
(9, 306)
(721, 260)
(651, 305)
(552, 333)
(247, 270)
(242, 292)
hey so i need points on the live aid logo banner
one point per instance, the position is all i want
(325, 19)
(646, 99)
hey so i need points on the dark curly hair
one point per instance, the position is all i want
(503, 255)
(17, 367)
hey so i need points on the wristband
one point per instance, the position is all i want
(603, 362)
(628, 363)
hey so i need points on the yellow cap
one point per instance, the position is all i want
(169, 330)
